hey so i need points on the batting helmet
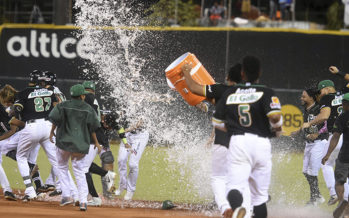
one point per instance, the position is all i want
(51, 78)
(34, 76)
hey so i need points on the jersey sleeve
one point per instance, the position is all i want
(338, 125)
(219, 115)
(325, 101)
(271, 103)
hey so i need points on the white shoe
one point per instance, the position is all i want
(95, 202)
(109, 180)
(128, 196)
(118, 192)
(333, 199)
(320, 199)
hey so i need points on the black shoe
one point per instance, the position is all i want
(27, 198)
(55, 193)
(46, 188)
(10, 196)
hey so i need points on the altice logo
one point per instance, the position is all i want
(49, 46)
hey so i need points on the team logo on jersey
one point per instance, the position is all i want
(40, 93)
(275, 103)
(246, 98)
(337, 101)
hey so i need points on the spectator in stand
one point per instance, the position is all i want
(285, 8)
(216, 13)
(245, 8)
(273, 6)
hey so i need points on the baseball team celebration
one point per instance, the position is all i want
(174, 108)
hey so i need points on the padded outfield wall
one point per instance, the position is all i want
(291, 59)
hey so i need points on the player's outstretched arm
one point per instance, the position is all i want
(193, 86)
(320, 118)
(333, 144)
(335, 70)
(275, 121)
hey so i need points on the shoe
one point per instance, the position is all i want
(239, 212)
(10, 196)
(95, 202)
(128, 196)
(118, 192)
(55, 193)
(83, 206)
(333, 199)
(46, 188)
(340, 209)
(320, 199)
(28, 198)
(311, 203)
(65, 201)
(76, 202)
(109, 180)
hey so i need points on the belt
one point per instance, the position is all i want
(35, 120)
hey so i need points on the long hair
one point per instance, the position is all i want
(7, 94)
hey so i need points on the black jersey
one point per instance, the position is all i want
(4, 119)
(216, 91)
(309, 115)
(342, 126)
(245, 109)
(36, 102)
(333, 101)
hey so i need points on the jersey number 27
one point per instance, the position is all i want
(39, 104)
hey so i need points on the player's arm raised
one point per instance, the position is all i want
(324, 114)
(193, 86)
(335, 70)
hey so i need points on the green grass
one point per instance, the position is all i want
(156, 182)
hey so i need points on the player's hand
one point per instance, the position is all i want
(324, 159)
(128, 146)
(312, 136)
(333, 69)
(305, 125)
(51, 136)
(186, 68)
(99, 147)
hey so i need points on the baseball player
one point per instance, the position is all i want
(6, 131)
(330, 108)
(32, 106)
(221, 140)
(108, 177)
(76, 122)
(137, 139)
(342, 162)
(251, 113)
(316, 139)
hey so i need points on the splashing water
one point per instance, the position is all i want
(114, 44)
(114, 52)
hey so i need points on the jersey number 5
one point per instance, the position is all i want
(244, 115)
(39, 104)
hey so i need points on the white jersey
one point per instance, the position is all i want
(59, 94)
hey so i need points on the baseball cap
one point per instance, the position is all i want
(346, 97)
(167, 205)
(89, 85)
(324, 84)
(77, 90)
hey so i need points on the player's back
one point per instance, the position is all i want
(36, 102)
(247, 107)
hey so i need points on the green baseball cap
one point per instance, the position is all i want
(346, 97)
(324, 84)
(167, 205)
(77, 90)
(89, 85)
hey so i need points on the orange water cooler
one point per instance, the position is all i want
(176, 80)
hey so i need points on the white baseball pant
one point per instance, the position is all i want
(3, 178)
(33, 134)
(78, 165)
(218, 176)
(249, 168)
(313, 154)
(137, 141)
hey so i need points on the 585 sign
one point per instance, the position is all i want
(293, 119)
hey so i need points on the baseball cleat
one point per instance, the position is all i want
(28, 198)
(10, 196)
(333, 199)
(128, 196)
(95, 202)
(65, 201)
(46, 188)
(118, 192)
(320, 199)
(83, 206)
(55, 193)
(109, 180)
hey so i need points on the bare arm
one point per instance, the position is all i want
(52, 133)
(333, 145)
(320, 118)
(275, 121)
(335, 70)
(95, 141)
(193, 86)
(9, 133)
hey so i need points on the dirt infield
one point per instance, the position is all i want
(14, 209)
